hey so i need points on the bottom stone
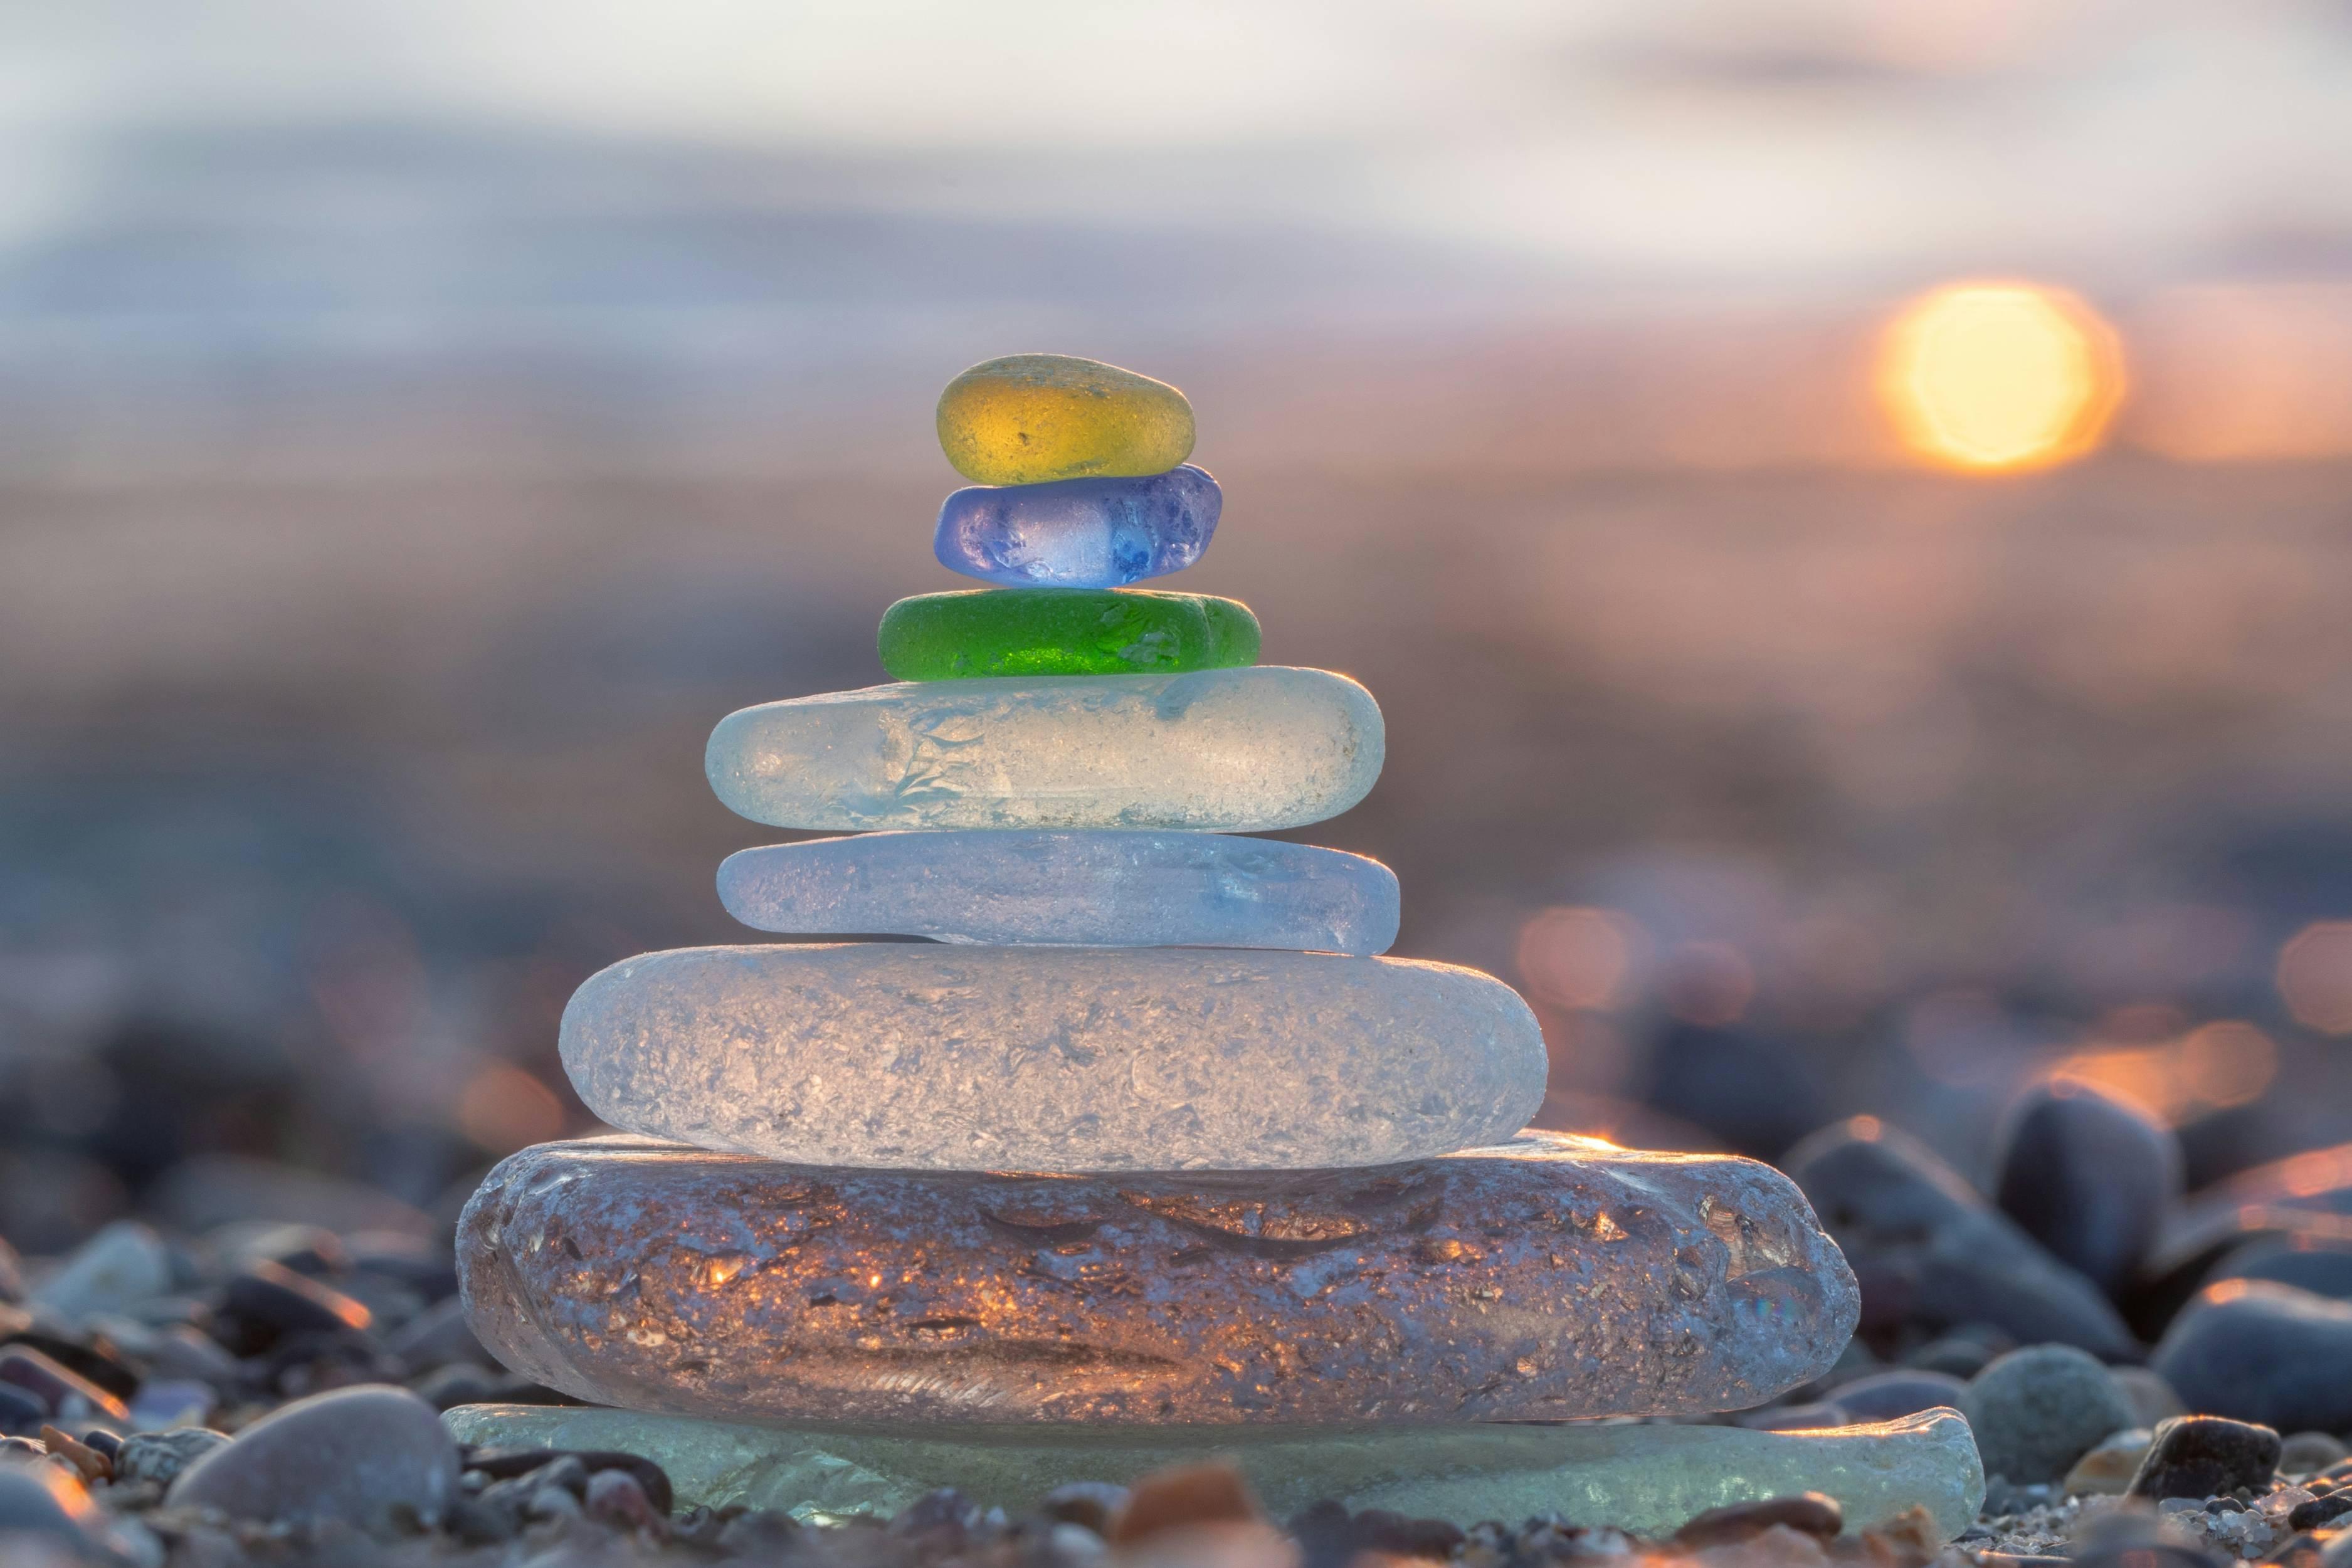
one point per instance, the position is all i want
(1646, 1480)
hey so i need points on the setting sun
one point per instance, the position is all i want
(1999, 376)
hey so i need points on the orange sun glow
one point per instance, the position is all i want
(1999, 376)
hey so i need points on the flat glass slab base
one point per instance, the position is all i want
(1644, 1478)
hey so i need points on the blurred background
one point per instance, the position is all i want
(1847, 506)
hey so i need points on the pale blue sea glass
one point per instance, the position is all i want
(1097, 889)
(1079, 533)
(1241, 751)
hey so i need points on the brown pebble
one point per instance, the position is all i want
(94, 1466)
(1775, 1546)
(1911, 1536)
(1810, 1513)
(1222, 1543)
(615, 1498)
(1213, 1493)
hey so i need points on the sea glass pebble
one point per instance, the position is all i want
(1054, 1058)
(1063, 632)
(1102, 888)
(1223, 751)
(1080, 533)
(1031, 418)
(1554, 1277)
(1645, 1479)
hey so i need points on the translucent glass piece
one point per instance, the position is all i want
(1063, 632)
(1245, 750)
(1555, 1277)
(1028, 418)
(1045, 1059)
(1645, 1479)
(1080, 533)
(1077, 888)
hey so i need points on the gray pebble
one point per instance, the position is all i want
(160, 1457)
(121, 1265)
(2304, 1453)
(372, 1455)
(2149, 1395)
(2036, 1411)
(41, 1498)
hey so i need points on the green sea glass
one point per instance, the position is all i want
(1647, 1478)
(1064, 631)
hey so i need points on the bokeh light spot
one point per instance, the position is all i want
(1579, 957)
(2315, 976)
(503, 1109)
(1992, 376)
(2212, 1067)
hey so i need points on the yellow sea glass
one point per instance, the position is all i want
(1029, 418)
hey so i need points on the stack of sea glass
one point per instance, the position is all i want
(1146, 1153)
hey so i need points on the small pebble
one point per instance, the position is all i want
(1070, 1546)
(2203, 1456)
(2108, 1469)
(553, 1501)
(1400, 1535)
(1184, 1495)
(615, 1498)
(761, 1536)
(1883, 1395)
(66, 1392)
(2087, 1174)
(160, 1457)
(943, 1518)
(2319, 1512)
(2303, 1453)
(1809, 1514)
(2036, 1411)
(2150, 1398)
(45, 1499)
(120, 1265)
(163, 1403)
(2321, 1267)
(436, 1337)
(476, 1523)
(271, 1300)
(579, 1465)
(459, 1383)
(22, 1412)
(188, 1354)
(1932, 1254)
(92, 1465)
(366, 1456)
(2263, 1353)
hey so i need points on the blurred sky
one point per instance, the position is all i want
(1783, 141)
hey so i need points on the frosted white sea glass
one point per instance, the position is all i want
(1043, 1059)
(1236, 750)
